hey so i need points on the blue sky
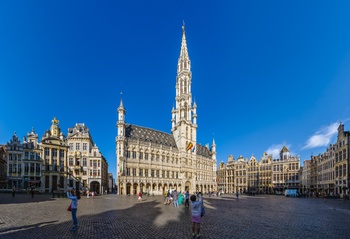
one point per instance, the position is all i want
(265, 73)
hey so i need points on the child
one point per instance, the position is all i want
(74, 196)
(196, 207)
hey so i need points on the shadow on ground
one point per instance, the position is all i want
(6, 198)
(139, 221)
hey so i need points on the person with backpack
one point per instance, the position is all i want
(74, 195)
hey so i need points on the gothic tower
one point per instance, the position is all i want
(184, 117)
(120, 139)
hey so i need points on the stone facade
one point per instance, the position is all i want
(32, 162)
(86, 164)
(14, 154)
(152, 161)
(56, 163)
(3, 167)
(265, 176)
(111, 183)
(285, 171)
(325, 171)
(54, 168)
(341, 162)
(328, 173)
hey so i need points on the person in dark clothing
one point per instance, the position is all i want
(13, 191)
(32, 190)
(187, 199)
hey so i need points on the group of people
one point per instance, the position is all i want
(88, 194)
(177, 198)
(30, 189)
(197, 207)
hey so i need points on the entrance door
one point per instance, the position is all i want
(187, 186)
(54, 183)
(128, 189)
(77, 185)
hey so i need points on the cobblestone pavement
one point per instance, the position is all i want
(112, 216)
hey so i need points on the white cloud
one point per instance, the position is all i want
(275, 150)
(322, 137)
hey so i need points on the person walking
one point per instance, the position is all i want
(32, 190)
(236, 194)
(181, 198)
(140, 197)
(175, 198)
(13, 191)
(196, 207)
(187, 199)
(74, 196)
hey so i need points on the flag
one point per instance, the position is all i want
(189, 146)
(194, 148)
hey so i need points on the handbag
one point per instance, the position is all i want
(69, 208)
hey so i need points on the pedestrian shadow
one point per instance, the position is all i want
(137, 221)
(41, 224)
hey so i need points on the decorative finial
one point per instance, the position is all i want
(183, 25)
(55, 121)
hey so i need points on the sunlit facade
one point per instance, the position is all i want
(152, 161)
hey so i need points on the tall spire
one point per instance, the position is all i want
(184, 116)
(184, 63)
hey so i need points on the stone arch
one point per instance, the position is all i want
(134, 188)
(148, 187)
(142, 187)
(187, 186)
(95, 187)
(128, 188)
(121, 190)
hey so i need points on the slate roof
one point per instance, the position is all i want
(203, 150)
(158, 137)
(151, 135)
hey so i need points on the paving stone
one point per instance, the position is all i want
(115, 216)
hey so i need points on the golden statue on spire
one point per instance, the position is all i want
(55, 121)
